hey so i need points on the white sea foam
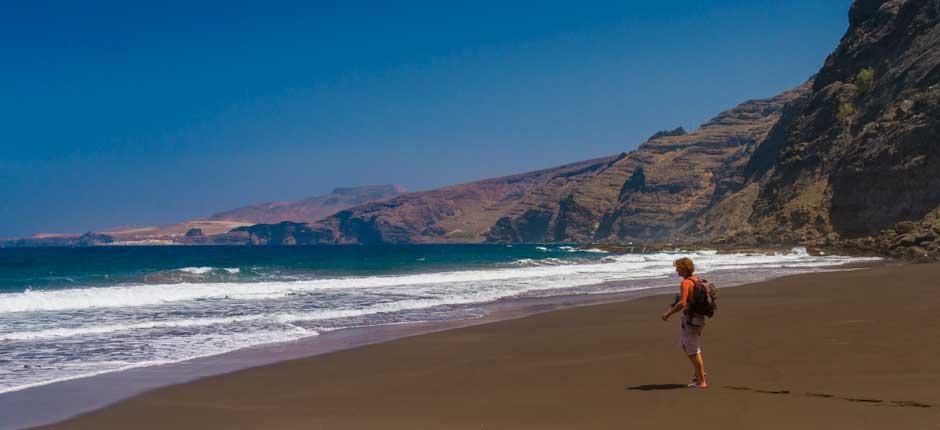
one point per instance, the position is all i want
(537, 262)
(622, 267)
(205, 270)
(197, 350)
(106, 329)
(196, 270)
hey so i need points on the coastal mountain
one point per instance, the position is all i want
(850, 159)
(458, 213)
(222, 227)
(645, 195)
(310, 209)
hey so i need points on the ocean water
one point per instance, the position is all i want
(68, 313)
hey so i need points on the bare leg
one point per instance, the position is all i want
(692, 362)
(698, 366)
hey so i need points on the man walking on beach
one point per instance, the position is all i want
(692, 323)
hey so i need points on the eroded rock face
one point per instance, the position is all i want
(574, 220)
(670, 182)
(864, 154)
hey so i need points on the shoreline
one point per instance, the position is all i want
(851, 355)
(84, 394)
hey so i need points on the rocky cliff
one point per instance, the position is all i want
(864, 154)
(841, 161)
(649, 194)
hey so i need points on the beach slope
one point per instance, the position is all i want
(855, 349)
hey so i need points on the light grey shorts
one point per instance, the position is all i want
(691, 339)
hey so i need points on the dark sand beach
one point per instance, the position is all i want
(853, 349)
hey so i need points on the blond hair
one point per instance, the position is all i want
(685, 264)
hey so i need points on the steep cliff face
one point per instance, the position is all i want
(850, 159)
(652, 192)
(644, 195)
(675, 180)
(864, 153)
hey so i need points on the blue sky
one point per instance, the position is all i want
(114, 113)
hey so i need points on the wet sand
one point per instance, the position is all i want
(856, 349)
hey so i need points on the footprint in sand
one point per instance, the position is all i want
(732, 387)
(910, 404)
(893, 403)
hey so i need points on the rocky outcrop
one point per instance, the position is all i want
(239, 237)
(194, 236)
(919, 241)
(284, 233)
(678, 131)
(94, 239)
(194, 232)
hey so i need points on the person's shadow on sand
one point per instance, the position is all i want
(656, 387)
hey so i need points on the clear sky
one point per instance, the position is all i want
(118, 113)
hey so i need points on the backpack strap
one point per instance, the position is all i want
(687, 314)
